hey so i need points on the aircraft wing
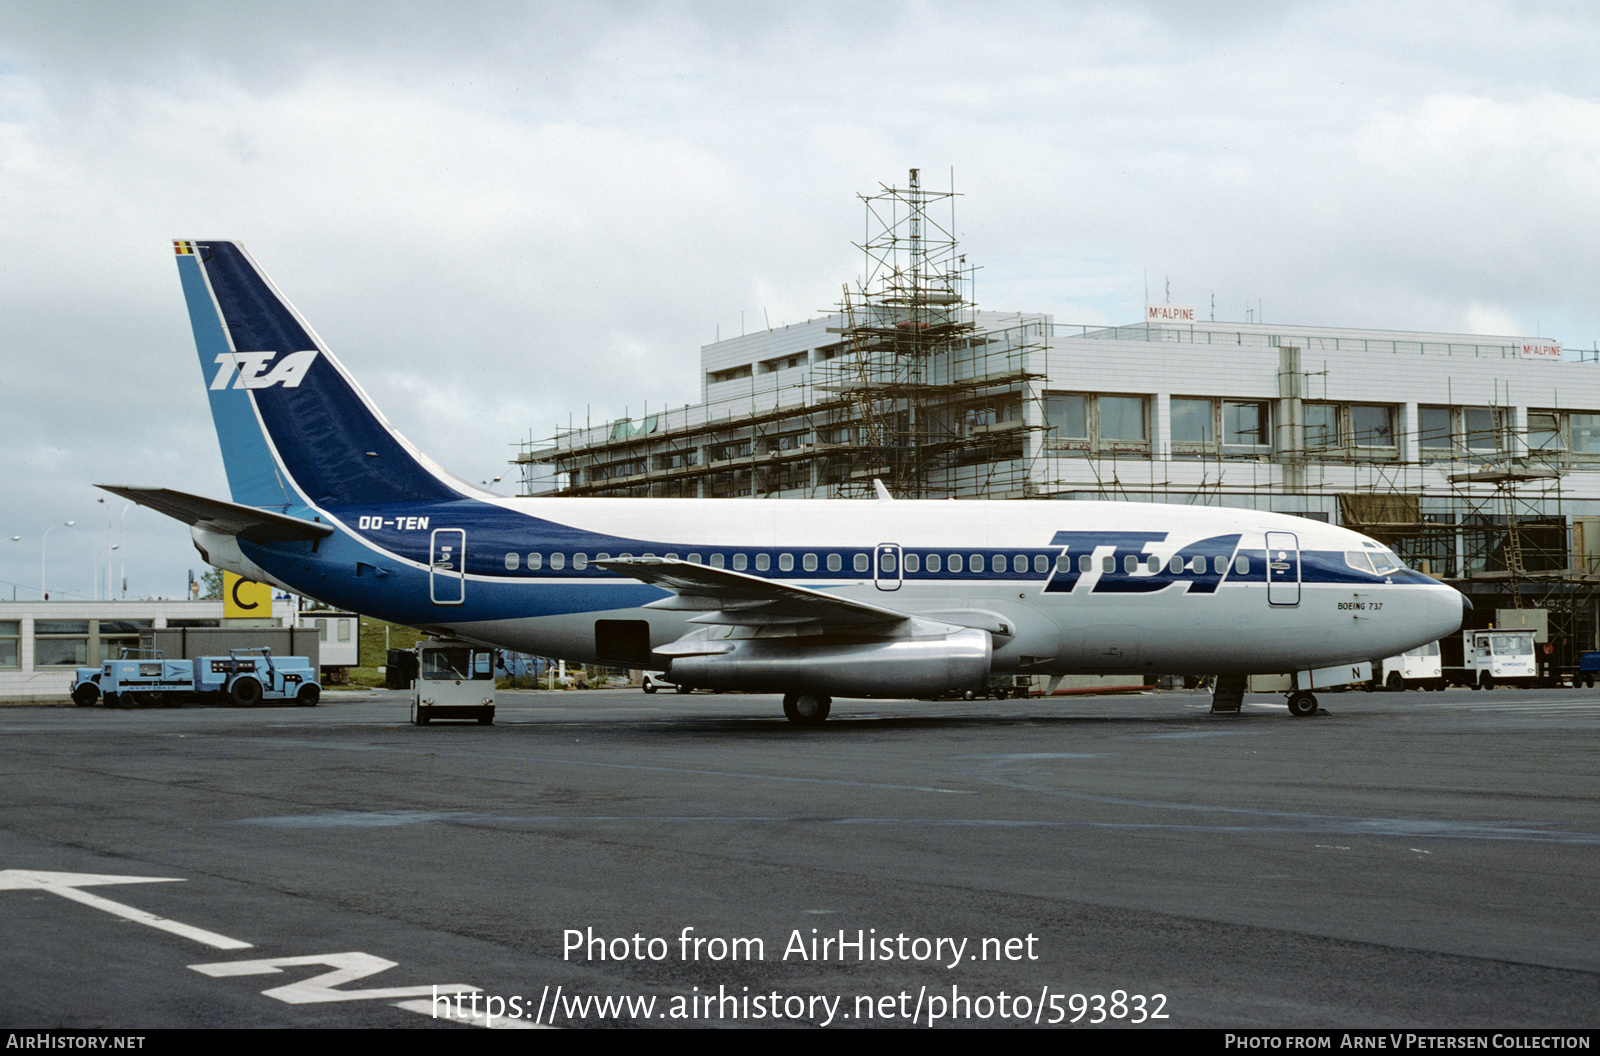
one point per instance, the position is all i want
(225, 518)
(737, 599)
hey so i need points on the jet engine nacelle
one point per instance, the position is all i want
(879, 667)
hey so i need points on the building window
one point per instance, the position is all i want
(1372, 425)
(1122, 418)
(1544, 431)
(117, 635)
(1097, 423)
(1584, 433)
(1192, 422)
(1481, 429)
(1244, 424)
(1067, 416)
(716, 377)
(10, 643)
(1367, 428)
(1196, 424)
(1321, 425)
(60, 643)
(1444, 432)
(1433, 428)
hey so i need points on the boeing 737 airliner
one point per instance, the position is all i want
(809, 598)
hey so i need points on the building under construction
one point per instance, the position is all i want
(1476, 457)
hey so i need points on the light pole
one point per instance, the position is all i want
(43, 596)
(15, 539)
(122, 537)
(111, 557)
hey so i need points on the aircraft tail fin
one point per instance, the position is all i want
(294, 426)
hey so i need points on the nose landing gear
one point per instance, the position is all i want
(1302, 704)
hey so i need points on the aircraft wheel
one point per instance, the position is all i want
(649, 687)
(309, 696)
(245, 692)
(1302, 705)
(969, 695)
(85, 694)
(1394, 683)
(807, 709)
(680, 688)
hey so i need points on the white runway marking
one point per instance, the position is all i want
(67, 886)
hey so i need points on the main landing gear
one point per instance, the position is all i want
(1302, 704)
(807, 709)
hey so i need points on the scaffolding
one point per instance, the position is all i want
(913, 392)
(925, 392)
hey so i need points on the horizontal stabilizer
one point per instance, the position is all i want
(744, 600)
(225, 518)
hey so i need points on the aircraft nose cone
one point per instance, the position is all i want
(1447, 610)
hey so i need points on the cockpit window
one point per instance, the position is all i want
(1380, 562)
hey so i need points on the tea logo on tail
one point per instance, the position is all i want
(245, 370)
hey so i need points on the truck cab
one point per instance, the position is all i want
(1498, 657)
(1416, 668)
(455, 680)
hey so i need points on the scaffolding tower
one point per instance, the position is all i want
(924, 391)
(914, 392)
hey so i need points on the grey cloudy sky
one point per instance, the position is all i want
(502, 214)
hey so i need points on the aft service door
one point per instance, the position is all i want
(886, 559)
(447, 572)
(1283, 568)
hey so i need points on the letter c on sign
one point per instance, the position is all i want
(240, 601)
